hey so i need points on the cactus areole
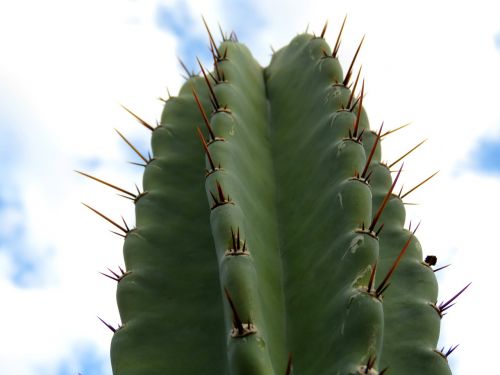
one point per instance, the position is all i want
(268, 238)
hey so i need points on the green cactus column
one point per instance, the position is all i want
(327, 254)
(268, 240)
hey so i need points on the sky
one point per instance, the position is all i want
(66, 67)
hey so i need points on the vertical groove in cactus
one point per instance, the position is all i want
(268, 239)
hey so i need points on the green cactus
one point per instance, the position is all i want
(258, 247)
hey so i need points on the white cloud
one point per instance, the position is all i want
(434, 64)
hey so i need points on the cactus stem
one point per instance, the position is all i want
(354, 89)
(141, 121)
(189, 74)
(383, 285)
(130, 195)
(440, 268)
(372, 151)
(124, 230)
(420, 184)
(205, 118)
(113, 329)
(322, 35)
(212, 42)
(288, 370)
(443, 306)
(386, 199)
(339, 37)
(213, 98)
(133, 148)
(349, 71)
(207, 152)
(407, 153)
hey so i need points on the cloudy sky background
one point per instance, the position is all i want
(65, 68)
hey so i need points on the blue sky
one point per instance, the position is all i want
(62, 79)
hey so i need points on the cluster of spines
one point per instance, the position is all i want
(235, 260)
(364, 176)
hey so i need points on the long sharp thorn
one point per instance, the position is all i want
(221, 32)
(440, 268)
(372, 152)
(380, 288)
(118, 234)
(349, 71)
(220, 192)
(406, 154)
(212, 76)
(289, 365)
(379, 230)
(211, 37)
(384, 370)
(337, 43)
(185, 68)
(372, 277)
(395, 130)
(217, 72)
(115, 278)
(205, 118)
(420, 184)
(358, 117)
(114, 273)
(443, 306)
(386, 199)
(451, 350)
(381, 292)
(233, 238)
(236, 319)
(212, 93)
(126, 226)
(205, 147)
(133, 148)
(354, 89)
(216, 202)
(139, 164)
(322, 35)
(113, 329)
(108, 184)
(141, 121)
(107, 218)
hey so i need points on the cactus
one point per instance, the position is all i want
(268, 238)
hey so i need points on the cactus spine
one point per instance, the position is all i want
(268, 239)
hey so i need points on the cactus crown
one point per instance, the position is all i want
(268, 237)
